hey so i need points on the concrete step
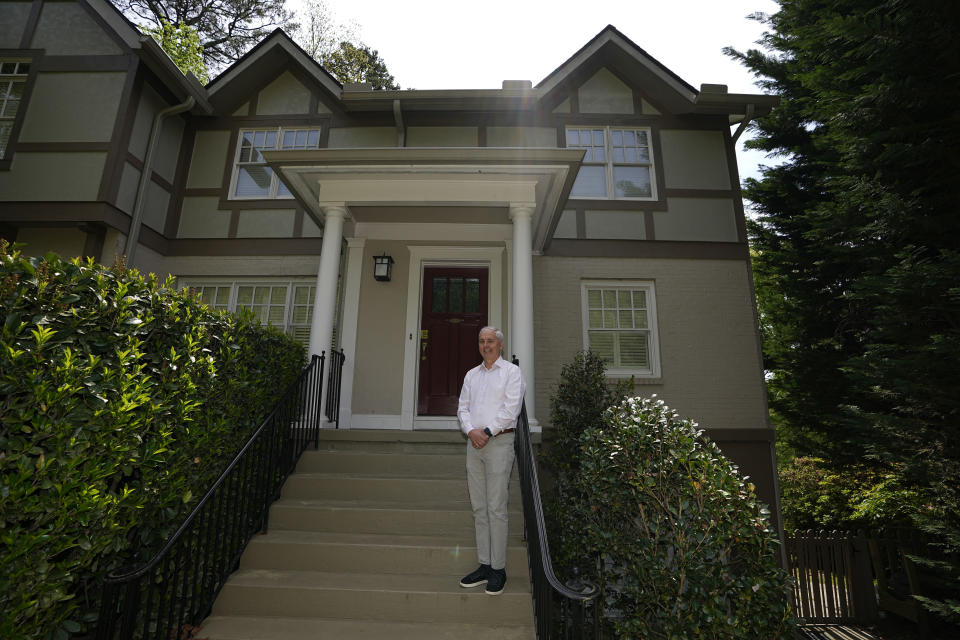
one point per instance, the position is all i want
(250, 628)
(430, 465)
(392, 441)
(371, 553)
(382, 487)
(444, 518)
(362, 596)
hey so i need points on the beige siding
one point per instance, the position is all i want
(167, 152)
(73, 107)
(282, 96)
(648, 109)
(155, 207)
(710, 359)
(567, 225)
(67, 243)
(605, 93)
(353, 137)
(310, 228)
(699, 219)
(53, 176)
(265, 223)
(378, 378)
(66, 29)
(13, 19)
(694, 159)
(206, 165)
(521, 137)
(200, 218)
(441, 136)
(129, 181)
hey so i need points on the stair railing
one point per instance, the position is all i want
(560, 611)
(332, 409)
(168, 596)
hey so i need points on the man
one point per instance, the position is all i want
(489, 405)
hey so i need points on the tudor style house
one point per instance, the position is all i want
(599, 208)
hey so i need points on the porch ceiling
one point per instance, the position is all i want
(442, 185)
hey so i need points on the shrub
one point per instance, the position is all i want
(816, 495)
(685, 549)
(577, 405)
(122, 400)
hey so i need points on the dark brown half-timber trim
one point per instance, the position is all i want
(617, 205)
(85, 63)
(700, 193)
(648, 249)
(234, 223)
(62, 147)
(202, 192)
(154, 176)
(184, 158)
(298, 223)
(93, 244)
(648, 227)
(731, 148)
(30, 28)
(34, 212)
(244, 246)
(35, 55)
(120, 136)
(581, 224)
(263, 203)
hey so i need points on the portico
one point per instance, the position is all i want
(479, 208)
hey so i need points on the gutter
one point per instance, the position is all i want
(133, 235)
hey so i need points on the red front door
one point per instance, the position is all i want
(454, 311)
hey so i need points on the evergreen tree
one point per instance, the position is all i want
(857, 238)
(358, 63)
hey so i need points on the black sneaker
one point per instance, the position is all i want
(496, 582)
(479, 576)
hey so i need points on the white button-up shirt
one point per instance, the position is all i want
(491, 397)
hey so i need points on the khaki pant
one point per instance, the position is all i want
(488, 478)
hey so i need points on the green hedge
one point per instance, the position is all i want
(677, 537)
(121, 400)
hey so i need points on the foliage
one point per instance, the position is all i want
(226, 28)
(319, 33)
(122, 401)
(577, 404)
(816, 496)
(857, 260)
(359, 63)
(687, 550)
(182, 44)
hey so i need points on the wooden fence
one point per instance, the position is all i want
(833, 577)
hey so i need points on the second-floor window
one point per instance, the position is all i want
(13, 80)
(618, 163)
(252, 178)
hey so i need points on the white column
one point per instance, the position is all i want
(325, 300)
(521, 309)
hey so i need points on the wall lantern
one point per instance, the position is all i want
(382, 266)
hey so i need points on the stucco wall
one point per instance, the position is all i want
(66, 29)
(710, 360)
(73, 107)
(67, 243)
(53, 176)
(378, 372)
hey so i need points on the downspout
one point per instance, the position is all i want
(398, 119)
(743, 123)
(136, 220)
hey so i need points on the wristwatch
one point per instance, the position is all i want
(486, 430)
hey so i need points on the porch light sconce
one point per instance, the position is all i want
(382, 266)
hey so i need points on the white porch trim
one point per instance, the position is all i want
(490, 257)
(348, 332)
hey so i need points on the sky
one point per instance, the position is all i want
(446, 44)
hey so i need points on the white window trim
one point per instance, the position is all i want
(654, 342)
(274, 178)
(609, 164)
(235, 284)
(5, 82)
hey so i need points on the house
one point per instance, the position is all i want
(598, 208)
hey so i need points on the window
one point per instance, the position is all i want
(283, 304)
(617, 163)
(619, 320)
(13, 80)
(252, 178)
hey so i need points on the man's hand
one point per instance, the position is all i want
(478, 438)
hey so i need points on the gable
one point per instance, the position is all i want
(285, 95)
(605, 93)
(65, 28)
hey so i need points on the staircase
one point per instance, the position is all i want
(369, 540)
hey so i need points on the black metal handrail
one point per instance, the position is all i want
(559, 610)
(332, 409)
(172, 593)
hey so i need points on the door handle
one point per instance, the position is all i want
(424, 341)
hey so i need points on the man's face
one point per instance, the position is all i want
(490, 347)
